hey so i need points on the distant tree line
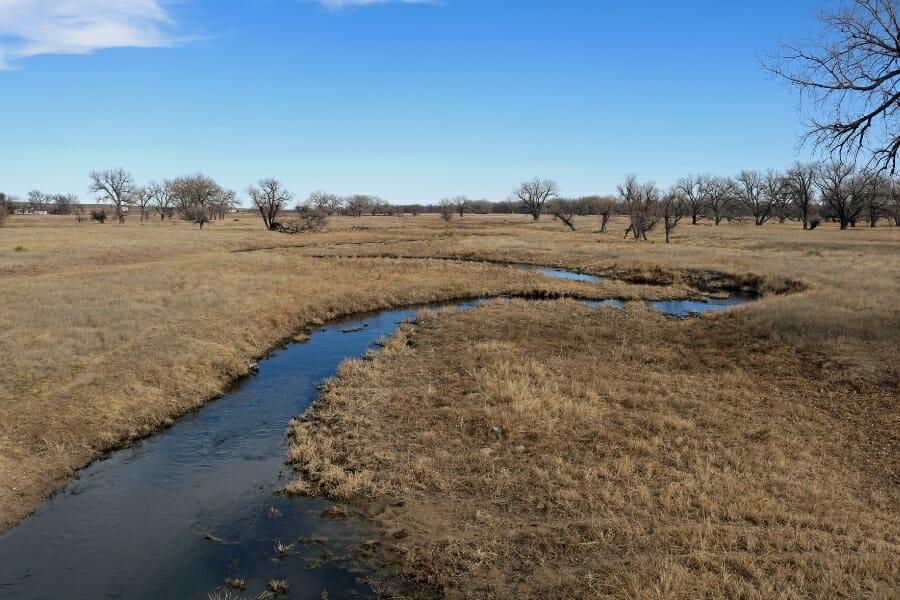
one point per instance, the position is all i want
(807, 193)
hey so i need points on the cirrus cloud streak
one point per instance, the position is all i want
(34, 27)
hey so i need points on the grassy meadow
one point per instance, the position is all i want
(523, 449)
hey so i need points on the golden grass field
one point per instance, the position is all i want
(750, 454)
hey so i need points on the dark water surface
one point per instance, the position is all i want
(134, 525)
(175, 514)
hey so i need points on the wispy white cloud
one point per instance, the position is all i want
(337, 4)
(33, 27)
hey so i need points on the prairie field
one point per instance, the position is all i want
(520, 449)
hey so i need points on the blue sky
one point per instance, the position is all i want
(410, 101)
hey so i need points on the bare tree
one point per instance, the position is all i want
(357, 204)
(851, 76)
(641, 203)
(3, 213)
(461, 205)
(776, 191)
(7, 203)
(195, 213)
(141, 196)
(893, 200)
(837, 187)
(446, 208)
(873, 193)
(479, 207)
(64, 204)
(161, 195)
(329, 203)
(563, 210)
(222, 203)
(38, 200)
(692, 192)
(534, 194)
(801, 184)
(672, 208)
(605, 206)
(193, 195)
(306, 219)
(720, 197)
(752, 197)
(113, 186)
(269, 197)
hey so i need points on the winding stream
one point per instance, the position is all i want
(176, 514)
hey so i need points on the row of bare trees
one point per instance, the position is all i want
(196, 198)
(807, 193)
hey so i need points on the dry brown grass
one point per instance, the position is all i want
(107, 332)
(553, 450)
(752, 454)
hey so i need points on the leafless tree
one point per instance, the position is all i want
(563, 210)
(64, 204)
(306, 219)
(673, 207)
(893, 200)
(38, 200)
(605, 206)
(850, 76)
(3, 213)
(163, 201)
(141, 196)
(873, 191)
(720, 197)
(801, 188)
(750, 185)
(641, 203)
(534, 194)
(114, 186)
(479, 207)
(835, 182)
(194, 189)
(329, 203)
(222, 203)
(461, 205)
(193, 195)
(7, 202)
(692, 192)
(269, 196)
(357, 204)
(378, 206)
(196, 213)
(775, 190)
(446, 208)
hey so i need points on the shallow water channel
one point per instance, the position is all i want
(176, 514)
